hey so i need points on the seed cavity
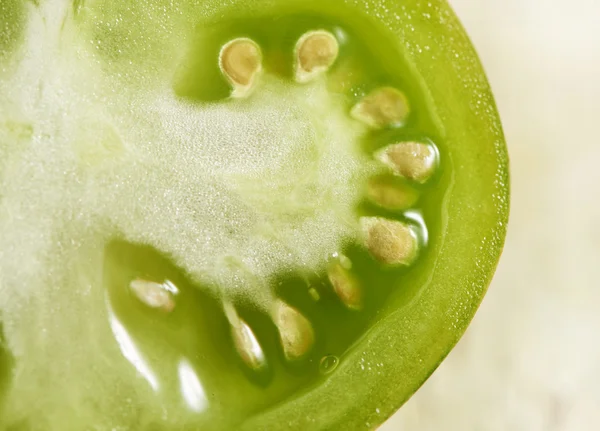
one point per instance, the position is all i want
(389, 241)
(344, 284)
(316, 51)
(383, 107)
(415, 161)
(158, 296)
(391, 193)
(245, 342)
(296, 333)
(240, 61)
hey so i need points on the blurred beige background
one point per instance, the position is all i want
(531, 359)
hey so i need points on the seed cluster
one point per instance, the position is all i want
(391, 242)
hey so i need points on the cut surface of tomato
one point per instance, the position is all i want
(238, 215)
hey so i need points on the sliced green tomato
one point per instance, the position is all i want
(253, 214)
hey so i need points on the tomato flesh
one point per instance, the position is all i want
(134, 367)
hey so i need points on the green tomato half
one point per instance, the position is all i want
(238, 214)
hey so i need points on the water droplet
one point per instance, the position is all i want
(328, 364)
